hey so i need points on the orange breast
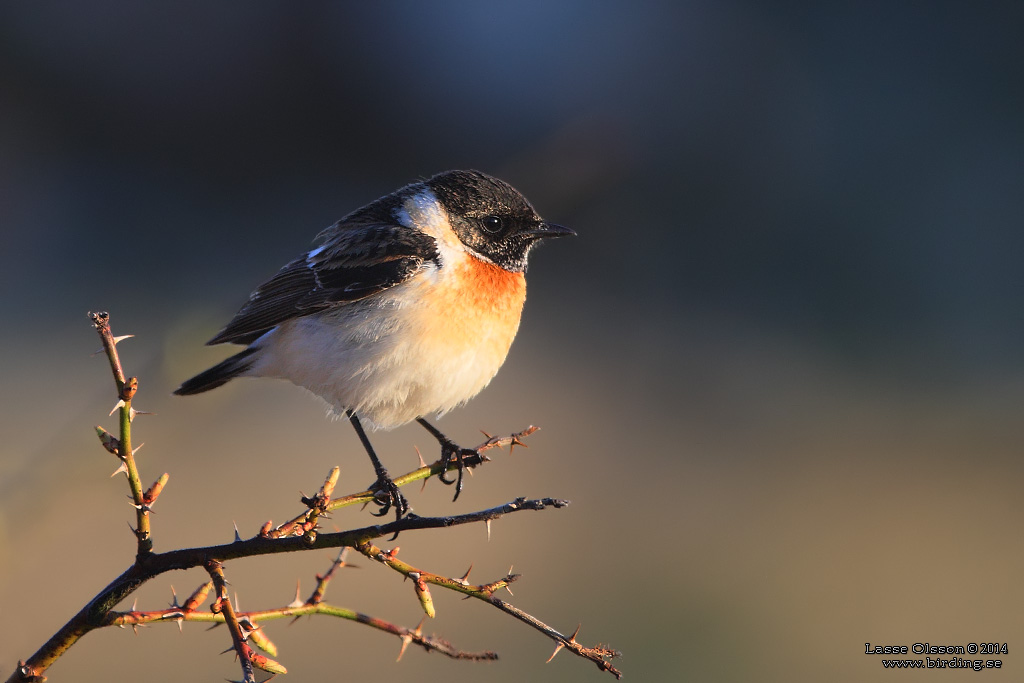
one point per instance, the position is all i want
(477, 304)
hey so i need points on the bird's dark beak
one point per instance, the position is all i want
(546, 230)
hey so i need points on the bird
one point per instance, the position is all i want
(406, 308)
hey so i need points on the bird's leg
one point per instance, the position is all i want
(388, 494)
(450, 452)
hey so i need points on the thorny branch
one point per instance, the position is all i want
(314, 604)
(122, 447)
(486, 592)
(248, 657)
(322, 502)
(299, 533)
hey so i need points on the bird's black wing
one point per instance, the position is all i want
(361, 255)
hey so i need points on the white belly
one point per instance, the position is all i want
(394, 359)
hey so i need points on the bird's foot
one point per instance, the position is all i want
(451, 452)
(386, 496)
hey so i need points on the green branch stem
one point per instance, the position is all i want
(126, 388)
(429, 643)
(299, 523)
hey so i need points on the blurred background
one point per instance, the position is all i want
(778, 373)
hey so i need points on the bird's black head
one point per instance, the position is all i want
(491, 217)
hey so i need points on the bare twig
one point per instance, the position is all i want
(94, 614)
(486, 592)
(301, 533)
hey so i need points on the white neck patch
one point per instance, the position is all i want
(423, 212)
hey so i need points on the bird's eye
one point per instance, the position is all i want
(493, 224)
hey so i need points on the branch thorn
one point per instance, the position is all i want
(509, 578)
(132, 413)
(558, 648)
(408, 638)
(117, 340)
(297, 602)
(516, 441)
(423, 486)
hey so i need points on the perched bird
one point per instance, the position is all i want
(407, 308)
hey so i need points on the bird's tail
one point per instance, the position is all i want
(219, 374)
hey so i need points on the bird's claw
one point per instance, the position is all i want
(387, 495)
(452, 452)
